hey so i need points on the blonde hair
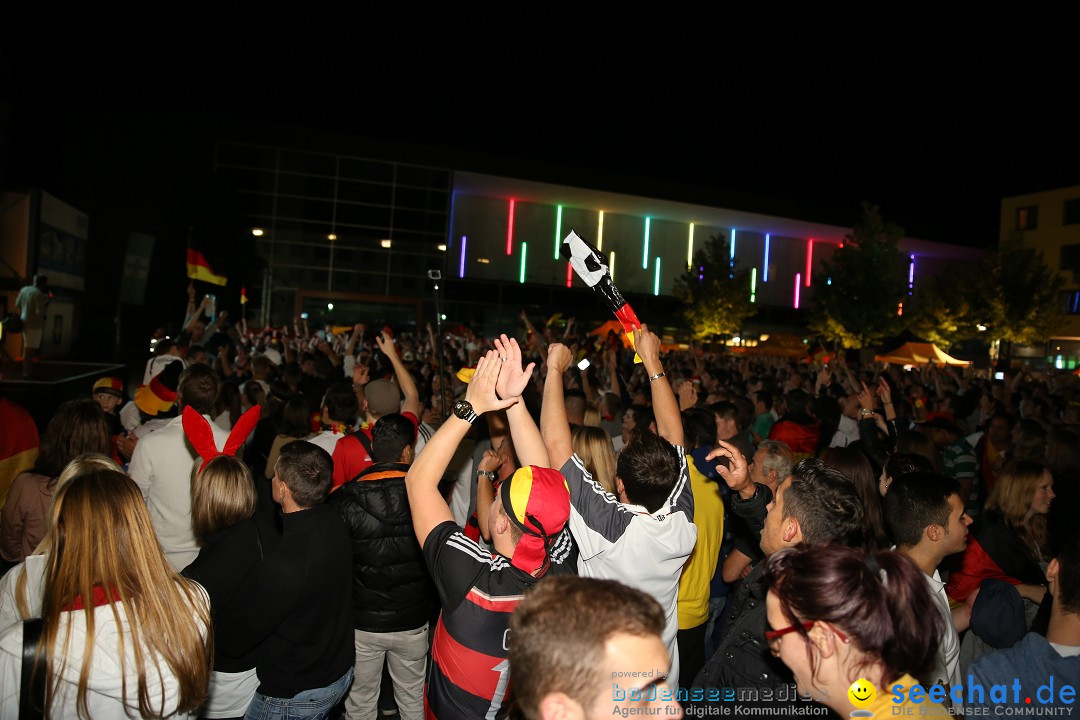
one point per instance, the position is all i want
(100, 537)
(592, 415)
(1012, 495)
(80, 465)
(593, 446)
(222, 494)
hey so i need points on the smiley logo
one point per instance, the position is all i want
(861, 693)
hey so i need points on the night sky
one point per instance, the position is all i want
(932, 117)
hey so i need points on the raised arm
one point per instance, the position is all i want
(404, 378)
(554, 427)
(426, 503)
(665, 406)
(513, 380)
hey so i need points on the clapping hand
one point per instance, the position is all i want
(512, 378)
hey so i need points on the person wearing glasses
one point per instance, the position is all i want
(855, 627)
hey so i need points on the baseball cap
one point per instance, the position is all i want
(537, 500)
(109, 385)
(383, 397)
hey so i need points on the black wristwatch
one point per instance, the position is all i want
(463, 410)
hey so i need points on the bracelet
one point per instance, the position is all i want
(489, 474)
(657, 376)
(864, 413)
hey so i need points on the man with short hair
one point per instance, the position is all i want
(957, 460)
(815, 505)
(586, 649)
(728, 428)
(928, 523)
(338, 417)
(161, 467)
(1036, 659)
(304, 619)
(771, 463)
(469, 673)
(393, 596)
(379, 397)
(644, 535)
(763, 415)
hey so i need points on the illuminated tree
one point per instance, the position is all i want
(943, 309)
(1017, 296)
(869, 281)
(715, 297)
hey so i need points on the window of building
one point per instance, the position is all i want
(1070, 302)
(1027, 218)
(1071, 216)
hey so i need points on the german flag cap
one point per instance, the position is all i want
(160, 394)
(537, 500)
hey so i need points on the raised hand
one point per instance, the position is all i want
(736, 474)
(559, 358)
(884, 391)
(481, 393)
(512, 378)
(647, 345)
(866, 398)
(688, 395)
(386, 344)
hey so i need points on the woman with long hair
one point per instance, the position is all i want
(1009, 540)
(78, 427)
(841, 616)
(855, 467)
(122, 634)
(22, 588)
(593, 445)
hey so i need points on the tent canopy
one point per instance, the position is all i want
(919, 353)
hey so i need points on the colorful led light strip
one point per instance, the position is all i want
(461, 267)
(656, 279)
(558, 231)
(521, 272)
(690, 248)
(900, 309)
(611, 265)
(798, 285)
(733, 247)
(569, 275)
(911, 275)
(600, 232)
(765, 268)
(510, 230)
(753, 284)
(809, 259)
(645, 250)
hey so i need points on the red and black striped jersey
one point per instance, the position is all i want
(469, 675)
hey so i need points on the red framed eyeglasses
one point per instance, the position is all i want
(773, 636)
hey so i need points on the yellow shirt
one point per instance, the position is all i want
(883, 705)
(698, 572)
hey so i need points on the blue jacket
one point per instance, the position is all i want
(1033, 662)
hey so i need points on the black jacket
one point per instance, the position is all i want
(392, 590)
(743, 659)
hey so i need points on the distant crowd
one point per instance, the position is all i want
(308, 521)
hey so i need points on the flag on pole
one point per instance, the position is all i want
(198, 268)
(243, 295)
(592, 268)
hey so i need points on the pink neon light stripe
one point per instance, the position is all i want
(809, 259)
(798, 283)
(569, 275)
(510, 230)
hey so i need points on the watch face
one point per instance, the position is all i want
(462, 409)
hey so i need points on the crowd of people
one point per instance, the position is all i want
(278, 522)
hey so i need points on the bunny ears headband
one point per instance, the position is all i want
(201, 435)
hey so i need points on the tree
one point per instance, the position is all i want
(716, 298)
(869, 281)
(943, 309)
(1019, 297)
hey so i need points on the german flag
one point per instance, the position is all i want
(199, 269)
